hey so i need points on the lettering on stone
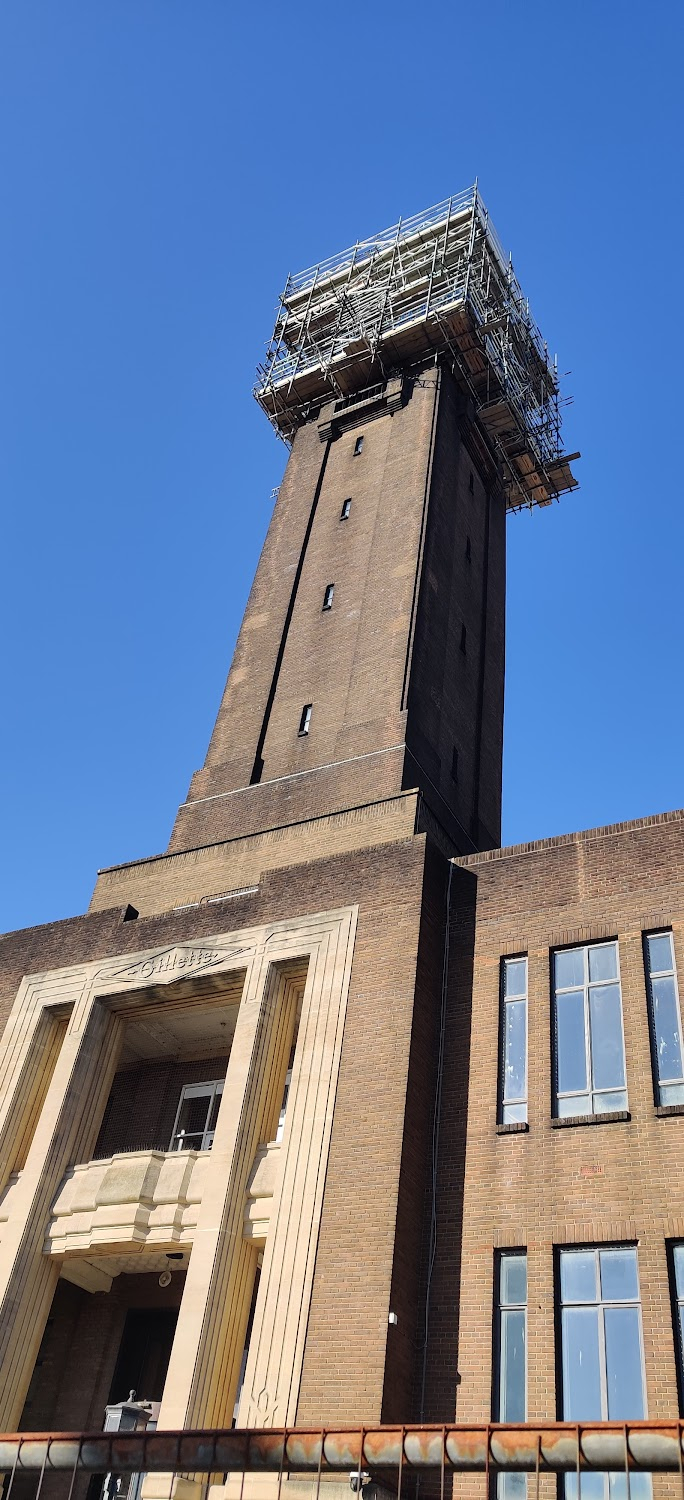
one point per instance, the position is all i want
(175, 962)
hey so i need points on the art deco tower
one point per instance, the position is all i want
(234, 1057)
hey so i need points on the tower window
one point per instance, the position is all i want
(305, 719)
(358, 447)
(344, 513)
(328, 595)
(463, 639)
(468, 549)
(471, 483)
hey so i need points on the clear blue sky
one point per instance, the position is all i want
(163, 164)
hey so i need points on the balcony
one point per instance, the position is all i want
(127, 1202)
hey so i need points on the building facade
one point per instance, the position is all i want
(336, 1112)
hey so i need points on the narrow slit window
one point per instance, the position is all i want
(471, 483)
(305, 719)
(344, 513)
(468, 549)
(677, 1267)
(328, 595)
(464, 636)
(589, 1051)
(510, 1390)
(358, 447)
(665, 1018)
(454, 764)
(513, 1064)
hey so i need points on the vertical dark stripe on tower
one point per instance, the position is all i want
(258, 766)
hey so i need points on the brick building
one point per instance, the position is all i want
(397, 1109)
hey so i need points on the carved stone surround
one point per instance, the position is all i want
(269, 963)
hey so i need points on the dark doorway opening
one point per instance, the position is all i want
(144, 1353)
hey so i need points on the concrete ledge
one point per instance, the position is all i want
(609, 1118)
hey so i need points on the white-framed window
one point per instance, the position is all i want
(346, 507)
(511, 1356)
(305, 719)
(513, 1061)
(589, 1043)
(328, 595)
(196, 1116)
(665, 1017)
(358, 447)
(602, 1354)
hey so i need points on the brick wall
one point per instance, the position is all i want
(549, 1187)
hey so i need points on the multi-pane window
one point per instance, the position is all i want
(590, 1053)
(602, 1354)
(510, 1394)
(513, 1065)
(665, 1017)
(196, 1116)
(677, 1252)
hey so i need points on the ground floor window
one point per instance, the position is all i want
(510, 1392)
(602, 1354)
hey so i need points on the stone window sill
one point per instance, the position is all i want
(669, 1109)
(512, 1127)
(608, 1118)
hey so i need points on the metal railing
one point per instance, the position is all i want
(541, 1447)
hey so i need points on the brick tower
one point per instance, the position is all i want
(420, 405)
(235, 1058)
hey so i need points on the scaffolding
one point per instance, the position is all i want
(436, 284)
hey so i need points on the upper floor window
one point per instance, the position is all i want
(305, 719)
(196, 1116)
(589, 1050)
(358, 447)
(602, 1354)
(513, 1062)
(510, 1384)
(344, 513)
(665, 1017)
(328, 595)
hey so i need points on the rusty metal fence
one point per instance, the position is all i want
(381, 1454)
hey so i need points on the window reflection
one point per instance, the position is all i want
(589, 1051)
(602, 1358)
(665, 1017)
(511, 1394)
(513, 1070)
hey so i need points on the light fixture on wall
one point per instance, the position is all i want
(173, 1255)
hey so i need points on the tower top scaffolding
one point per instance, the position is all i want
(438, 283)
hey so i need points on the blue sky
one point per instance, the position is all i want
(163, 165)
